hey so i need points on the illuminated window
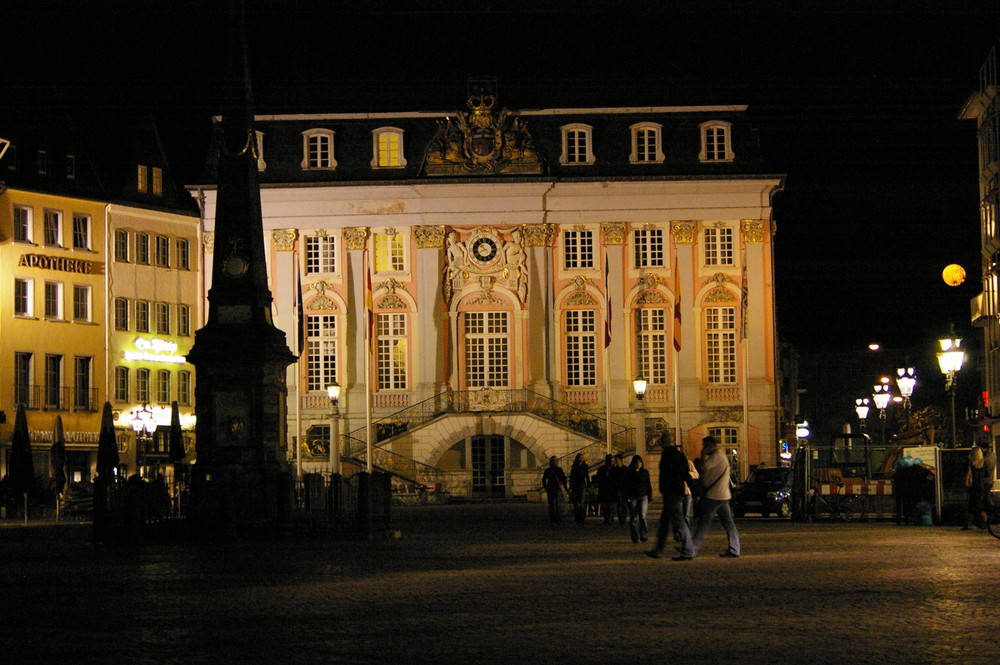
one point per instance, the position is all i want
(121, 314)
(720, 344)
(652, 344)
(576, 145)
(390, 333)
(646, 146)
(163, 386)
(581, 347)
(82, 397)
(157, 181)
(53, 381)
(142, 316)
(321, 254)
(390, 254)
(142, 385)
(486, 350)
(183, 320)
(163, 318)
(53, 300)
(718, 246)
(321, 349)
(715, 142)
(23, 362)
(81, 302)
(52, 228)
(388, 148)
(81, 231)
(184, 387)
(578, 249)
(183, 258)
(121, 384)
(23, 297)
(142, 248)
(648, 248)
(142, 178)
(163, 251)
(121, 246)
(22, 224)
(317, 149)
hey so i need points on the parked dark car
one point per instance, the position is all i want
(767, 490)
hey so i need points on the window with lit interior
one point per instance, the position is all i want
(390, 338)
(581, 347)
(651, 344)
(486, 336)
(387, 148)
(321, 351)
(720, 344)
(390, 252)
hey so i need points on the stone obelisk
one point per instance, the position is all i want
(241, 482)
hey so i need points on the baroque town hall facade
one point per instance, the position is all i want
(485, 285)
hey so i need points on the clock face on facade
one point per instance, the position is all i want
(484, 250)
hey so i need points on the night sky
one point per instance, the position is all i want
(858, 106)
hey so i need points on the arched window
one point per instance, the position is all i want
(580, 334)
(716, 143)
(387, 148)
(577, 145)
(317, 149)
(647, 147)
(720, 344)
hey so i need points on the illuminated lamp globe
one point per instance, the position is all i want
(953, 274)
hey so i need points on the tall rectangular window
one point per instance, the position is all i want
(142, 178)
(23, 297)
(142, 316)
(53, 381)
(163, 386)
(184, 387)
(121, 246)
(121, 384)
(718, 246)
(163, 251)
(142, 385)
(81, 302)
(53, 300)
(163, 318)
(121, 314)
(22, 379)
(184, 320)
(648, 248)
(576, 145)
(646, 145)
(22, 224)
(390, 255)
(578, 249)
(81, 231)
(390, 331)
(142, 248)
(486, 350)
(321, 255)
(157, 181)
(720, 344)
(321, 349)
(581, 347)
(652, 344)
(183, 258)
(716, 143)
(52, 228)
(82, 397)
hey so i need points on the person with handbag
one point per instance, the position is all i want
(716, 494)
(675, 479)
(978, 481)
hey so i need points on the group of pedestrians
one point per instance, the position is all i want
(628, 490)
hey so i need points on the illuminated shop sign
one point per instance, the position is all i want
(57, 263)
(154, 351)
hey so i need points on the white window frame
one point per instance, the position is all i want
(649, 248)
(183, 258)
(321, 351)
(657, 156)
(23, 221)
(486, 343)
(162, 318)
(142, 385)
(391, 350)
(49, 216)
(122, 314)
(82, 303)
(382, 154)
(390, 247)
(652, 345)
(580, 331)
(24, 297)
(320, 254)
(121, 384)
(142, 316)
(572, 155)
(163, 386)
(720, 345)
(83, 382)
(142, 248)
(53, 396)
(313, 158)
(719, 244)
(81, 231)
(578, 249)
(716, 141)
(24, 371)
(161, 251)
(183, 320)
(184, 387)
(53, 301)
(122, 253)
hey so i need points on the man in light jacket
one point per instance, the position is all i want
(715, 498)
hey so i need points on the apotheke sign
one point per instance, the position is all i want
(61, 264)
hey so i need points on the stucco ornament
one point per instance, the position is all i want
(683, 231)
(485, 254)
(284, 239)
(753, 230)
(429, 236)
(354, 237)
(613, 232)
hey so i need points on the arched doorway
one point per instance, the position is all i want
(489, 466)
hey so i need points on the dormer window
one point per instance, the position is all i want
(317, 150)
(716, 145)
(141, 178)
(646, 144)
(387, 148)
(576, 145)
(157, 181)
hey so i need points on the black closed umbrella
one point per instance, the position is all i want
(107, 447)
(58, 459)
(176, 451)
(21, 469)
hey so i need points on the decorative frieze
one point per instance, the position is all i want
(580, 298)
(284, 239)
(613, 232)
(429, 236)
(538, 235)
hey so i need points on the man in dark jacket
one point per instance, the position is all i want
(675, 475)
(554, 482)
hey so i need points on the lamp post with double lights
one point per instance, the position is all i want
(639, 385)
(333, 391)
(906, 379)
(144, 427)
(861, 408)
(882, 396)
(951, 358)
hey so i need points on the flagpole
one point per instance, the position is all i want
(297, 319)
(677, 351)
(607, 361)
(744, 327)
(368, 361)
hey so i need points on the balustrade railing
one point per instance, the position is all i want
(55, 398)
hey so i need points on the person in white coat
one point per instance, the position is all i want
(716, 494)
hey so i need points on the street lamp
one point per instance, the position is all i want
(143, 425)
(906, 379)
(881, 397)
(639, 385)
(861, 408)
(333, 390)
(950, 359)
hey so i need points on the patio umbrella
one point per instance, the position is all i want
(21, 470)
(176, 437)
(58, 457)
(107, 446)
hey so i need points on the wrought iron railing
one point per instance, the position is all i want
(55, 398)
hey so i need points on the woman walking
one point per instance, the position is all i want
(637, 489)
(977, 484)
(579, 481)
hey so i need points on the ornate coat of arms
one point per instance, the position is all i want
(482, 142)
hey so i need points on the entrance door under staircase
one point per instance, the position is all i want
(489, 466)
